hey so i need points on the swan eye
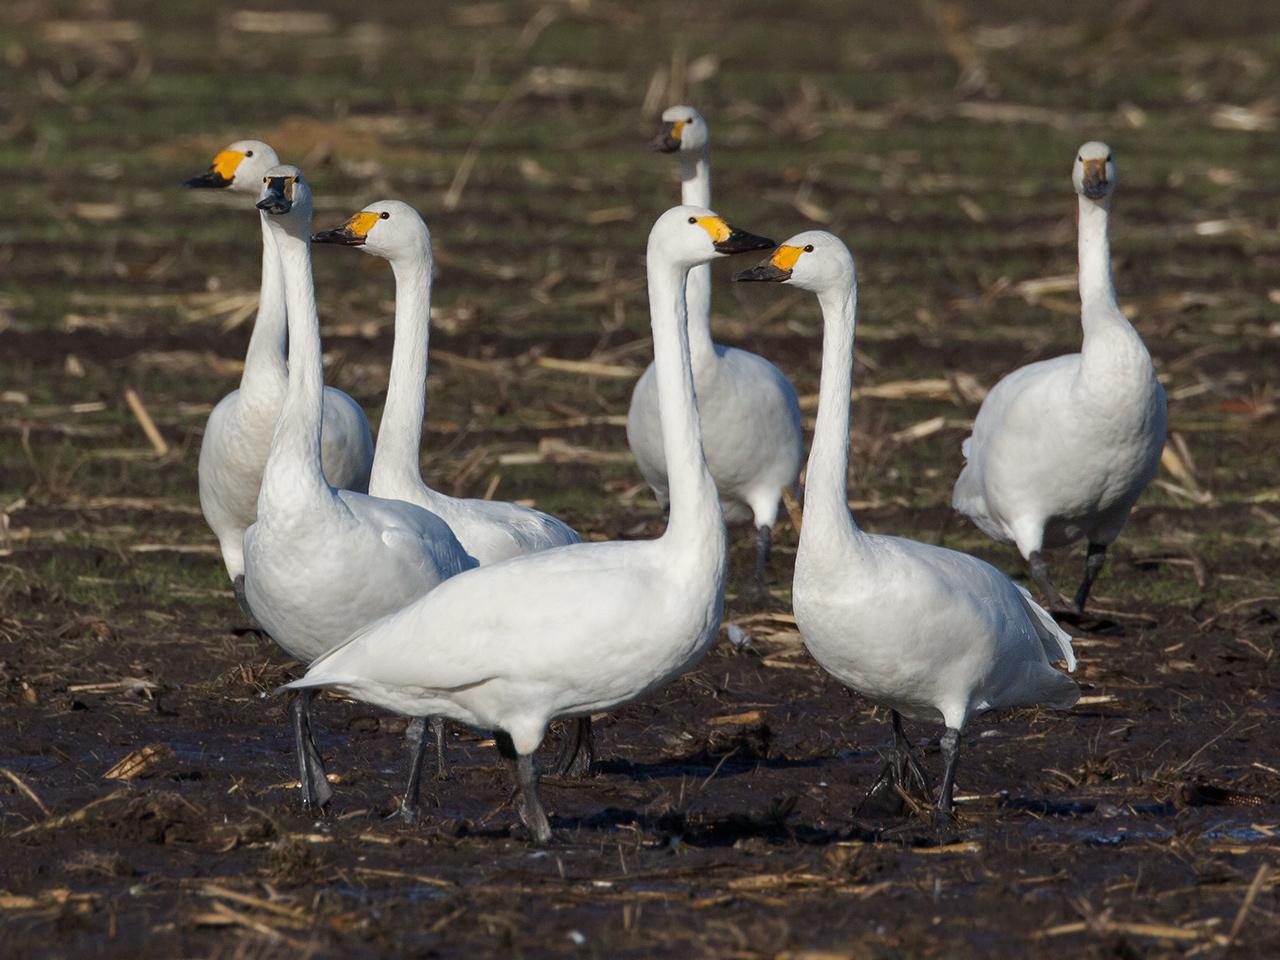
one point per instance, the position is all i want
(248, 153)
(1080, 159)
(384, 215)
(808, 248)
(1108, 158)
(693, 219)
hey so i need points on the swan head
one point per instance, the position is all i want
(284, 191)
(387, 229)
(1094, 172)
(691, 235)
(814, 260)
(239, 166)
(683, 129)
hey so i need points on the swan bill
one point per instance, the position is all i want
(279, 197)
(668, 141)
(729, 239)
(221, 173)
(777, 268)
(739, 241)
(1095, 179)
(353, 233)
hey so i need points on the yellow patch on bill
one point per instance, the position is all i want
(361, 223)
(785, 257)
(715, 226)
(676, 127)
(226, 163)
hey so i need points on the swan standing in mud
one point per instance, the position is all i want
(581, 628)
(931, 633)
(321, 562)
(489, 530)
(1063, 448)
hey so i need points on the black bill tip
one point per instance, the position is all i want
(766, 272)
(739, 241)
(211, 179)
(338, 235)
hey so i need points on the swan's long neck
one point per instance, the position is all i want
(265, 370)
(1112, 349)
(396, 460)
(1096, 289)
(695, 190)
(826, 496)
(695, 507)
(294, 472)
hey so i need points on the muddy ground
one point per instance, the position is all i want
(722, 820)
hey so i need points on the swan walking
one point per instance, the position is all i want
(929, 632)
(489, 530)
(581, 628)
(322, 562)
(237, 436)
(750, 415)
(1063, 448)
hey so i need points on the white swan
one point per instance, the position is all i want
(488, 530)
(1062, 449)
(238, 434)
(929, 632)
(749, 411)
(582, 628)
(321, 562)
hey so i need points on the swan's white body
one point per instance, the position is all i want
(1062, 449)
(750, 416)
(321, 562)
(237, 436)
(581, 628)
(489, 530)
(930, 632)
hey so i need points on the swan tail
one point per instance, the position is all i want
(312, 680)
(1059, 691)
(966, 495)
(1055, 640)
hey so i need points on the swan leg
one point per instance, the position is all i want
(577, 750)
(316, 791)
(242, 601)
(528, 804)
(756, 592)
(907, 768)
(1093, 562)
(950, 744)
(442, 761)
(410, 804)
(764, 540)
(1040, 574)
(900, 774)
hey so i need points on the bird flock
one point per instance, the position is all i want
(500, 617)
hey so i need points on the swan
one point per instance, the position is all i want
(1062, 449)
(489, 530)
(929, 632)
(237, 436)
(580, 628)
(321, 562)
(750, 415)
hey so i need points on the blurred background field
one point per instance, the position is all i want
(936, 138)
